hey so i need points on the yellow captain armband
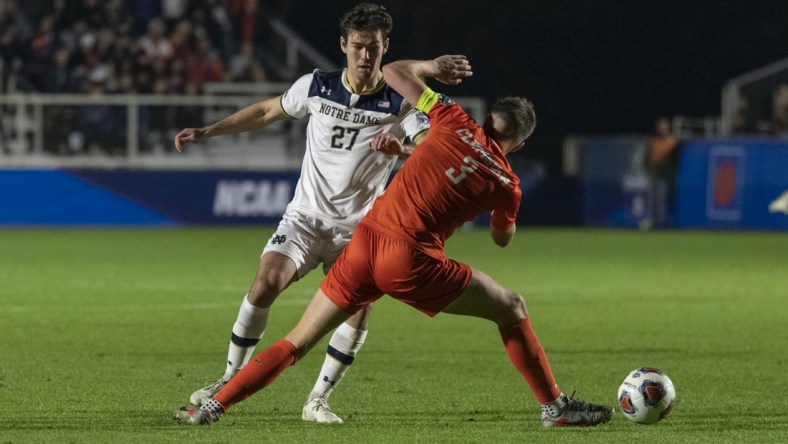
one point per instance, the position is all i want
(427, 100)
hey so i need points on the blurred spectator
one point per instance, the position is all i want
(204, 65)
(780, 110)
(143, 11)
(219, 27)
(661, 162)
(173, 10)
(182, 38)
(100, 126)
(92, 12)
(83, 60)
(243, 67)
(155, 135)
(176, 79)
(743, 122)
(58, 76)
(243, 14)
(187, 115)
(143, 80)
(15, 33)
(661, 149)
(57, 119)
(34, 10)
(154, 43)
(41, 53)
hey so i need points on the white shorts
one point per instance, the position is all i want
(308, 242)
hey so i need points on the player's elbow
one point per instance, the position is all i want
(395, 72)
(501, 241)
(388, 72)
(503, 237)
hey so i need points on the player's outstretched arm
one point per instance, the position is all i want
(405, 75)
(255, 116)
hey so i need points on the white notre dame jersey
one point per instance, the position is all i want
(341, 176)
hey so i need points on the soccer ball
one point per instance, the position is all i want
(646, 396)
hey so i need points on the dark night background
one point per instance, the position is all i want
(590, 67)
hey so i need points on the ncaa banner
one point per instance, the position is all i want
(160, 198)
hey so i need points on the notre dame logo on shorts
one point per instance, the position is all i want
(278, 239)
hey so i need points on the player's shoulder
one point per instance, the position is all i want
(388, 93)
(443, 110)
(328, 84)
(383, 100)
(327, 80)
(328, 77)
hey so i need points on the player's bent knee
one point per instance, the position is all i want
(265, 289)
(360, 319)
(515, 305)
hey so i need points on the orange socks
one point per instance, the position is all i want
(527, 354)
(258, 373)
(522, 346)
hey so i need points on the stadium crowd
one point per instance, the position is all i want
(143, 46)
(129, 46)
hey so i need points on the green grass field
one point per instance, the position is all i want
(105, 332)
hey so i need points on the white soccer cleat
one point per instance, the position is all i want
(207, 393)
(317, 410)
(208, 414)
(575, 413)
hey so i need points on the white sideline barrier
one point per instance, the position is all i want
(279, 146)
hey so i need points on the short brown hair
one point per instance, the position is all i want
(519, 115)
(366, 17)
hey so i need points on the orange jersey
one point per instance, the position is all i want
(455, 174)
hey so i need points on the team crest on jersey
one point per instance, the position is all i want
(445, 100)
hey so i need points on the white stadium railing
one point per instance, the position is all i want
(280, 146)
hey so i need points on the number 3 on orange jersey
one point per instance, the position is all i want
(464, 170)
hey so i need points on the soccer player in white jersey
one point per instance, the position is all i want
(341, 175)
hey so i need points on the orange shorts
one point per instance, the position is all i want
(374, 264)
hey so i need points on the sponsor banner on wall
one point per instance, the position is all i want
(152, 198)
(737, 184)
(57, 198)
(725, 183)
(203, 197)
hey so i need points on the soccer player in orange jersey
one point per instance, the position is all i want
(459, 171)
